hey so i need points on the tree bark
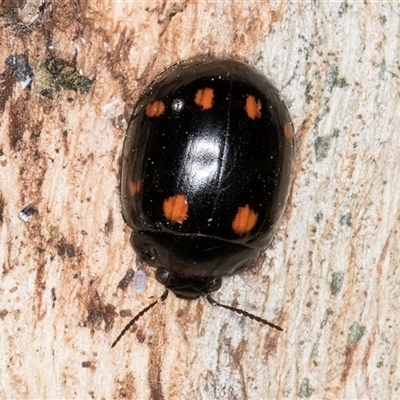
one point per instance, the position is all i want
(331, 277)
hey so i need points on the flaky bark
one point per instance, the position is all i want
(330, 279)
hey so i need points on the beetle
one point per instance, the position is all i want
(206, 169)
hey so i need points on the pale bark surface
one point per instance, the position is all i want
(331, 277)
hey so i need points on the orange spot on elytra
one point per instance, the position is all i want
(176, 208)
(134, 187)
(204, 98)
(253, 107)
(288, 130)
(245, 220)
(155, 109)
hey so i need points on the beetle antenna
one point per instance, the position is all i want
(138, 316)
(245, 313)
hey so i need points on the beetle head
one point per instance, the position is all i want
(188, 287)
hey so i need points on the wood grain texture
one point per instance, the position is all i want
(332, 275)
